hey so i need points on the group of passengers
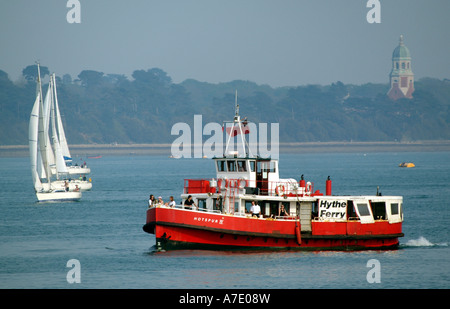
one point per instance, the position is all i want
(153, 202)
(189, 203)
(255, 210)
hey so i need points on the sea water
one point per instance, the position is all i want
(103, 231)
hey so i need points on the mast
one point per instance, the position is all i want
(237, 125)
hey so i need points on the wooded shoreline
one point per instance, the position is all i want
(310, 147)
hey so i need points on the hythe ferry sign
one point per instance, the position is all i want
(336, 209)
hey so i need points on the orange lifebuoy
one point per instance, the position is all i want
(242, 182)
(280, 189)
(222, 183)
(308, 187)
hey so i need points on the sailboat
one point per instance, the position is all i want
(71, 169)
(41, 153)
(62, 167)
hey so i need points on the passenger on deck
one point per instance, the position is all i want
(255, 209)
(172, 202)
(189, 202)
(151, 201)
(282, 212)
(160, 200)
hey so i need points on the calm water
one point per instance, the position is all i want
(104, 230)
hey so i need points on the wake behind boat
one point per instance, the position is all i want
(247, 206)
(42, 155)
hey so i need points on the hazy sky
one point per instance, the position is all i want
(280, 43)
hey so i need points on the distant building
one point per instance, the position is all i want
(402, 77)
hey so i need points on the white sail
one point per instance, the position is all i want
(61, 134)
(33, 143)
(46, 117)
(43, 138)
(60, 164)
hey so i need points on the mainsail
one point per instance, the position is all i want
(60, 164)
(33, 143)
(61, 134)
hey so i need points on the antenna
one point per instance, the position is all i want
(236, 107)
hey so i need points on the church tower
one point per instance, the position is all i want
(402, 77)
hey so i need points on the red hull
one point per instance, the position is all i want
(176, 228)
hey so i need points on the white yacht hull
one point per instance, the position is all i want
(82, 185)
(58, 196)
(77, 170)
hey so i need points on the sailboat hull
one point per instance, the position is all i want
(58, 196)
(83, 185)
(77, 170)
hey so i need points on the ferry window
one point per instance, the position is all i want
(236, 206)
(248, 205)
(363, 209)
(266, 166)
(287, 207)
(272, 167)
(351, 213)
(241, 166)
(252, 166)
(231, 166)
(221, 166)
(394, 208)
(379, 210)
(217, 204)
(201, 203)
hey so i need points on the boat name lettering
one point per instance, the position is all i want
(333, 209)
(208, 220)
(333, 204)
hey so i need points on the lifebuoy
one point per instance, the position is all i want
(242, 182)
(280, 190)
(222, 183)
(308, 187)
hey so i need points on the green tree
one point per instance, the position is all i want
(31, 72)
(90, 78)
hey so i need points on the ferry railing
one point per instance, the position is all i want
(194, 208)
(253, 187)
(216, 211)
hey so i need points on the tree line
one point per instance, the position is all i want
(112, 108)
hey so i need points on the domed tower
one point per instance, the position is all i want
(402, 77)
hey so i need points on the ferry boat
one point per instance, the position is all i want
(293, 215)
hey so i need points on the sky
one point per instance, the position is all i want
(279, 43)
